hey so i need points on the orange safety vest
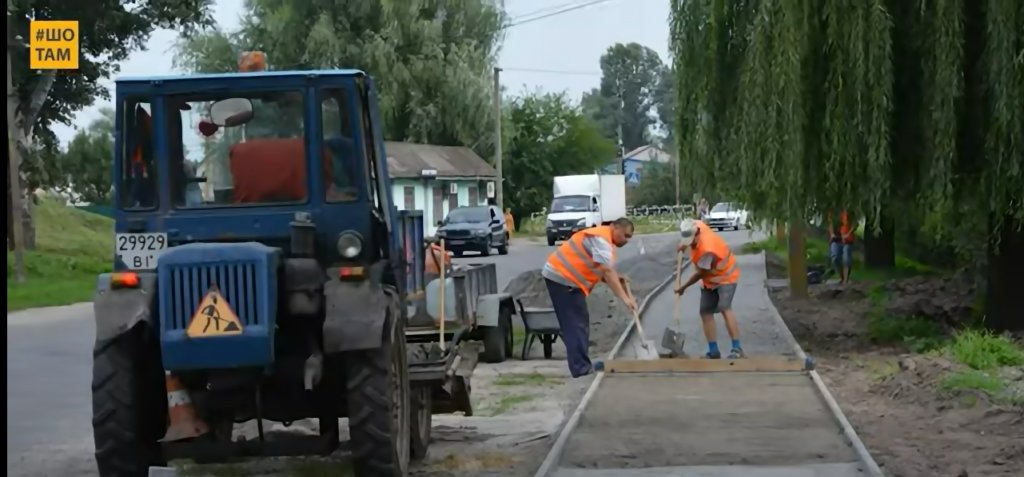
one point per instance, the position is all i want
(726, 271)
(845, 231)
(432, 259)
(510, 223)
(572, 261)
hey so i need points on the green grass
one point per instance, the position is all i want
(527, 379)
(535, 227)
(72, 247)
(507, 402)
(983, 354)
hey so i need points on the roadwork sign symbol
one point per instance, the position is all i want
(54, 45)
(214, 317)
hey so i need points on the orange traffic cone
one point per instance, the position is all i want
(185, 424)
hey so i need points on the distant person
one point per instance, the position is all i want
(840, 244)
(702, 208)
(576, 267)
(715, 267)
(510, 222)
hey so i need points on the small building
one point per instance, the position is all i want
(437, 179)
(633, 163)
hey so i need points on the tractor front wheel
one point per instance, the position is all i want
(129, 404)
(377, 383)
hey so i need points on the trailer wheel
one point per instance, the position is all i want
(422, 421)
(377, 383)
(129, 405)
(496, 338)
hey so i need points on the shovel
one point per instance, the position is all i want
(650, 352)
(674, 337)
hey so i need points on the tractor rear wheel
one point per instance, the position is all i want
(377, 383)
(129, 404)
(422, 421)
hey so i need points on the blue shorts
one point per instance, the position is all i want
(839, 250)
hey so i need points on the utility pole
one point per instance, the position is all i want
(13, 163)
(675, 162)
(499, 196)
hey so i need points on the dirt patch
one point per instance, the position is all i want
(920, 411)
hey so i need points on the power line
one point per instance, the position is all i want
(553, 72)
(542, 11)
(567, 9)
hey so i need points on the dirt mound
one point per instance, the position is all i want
(915, 429)
(529, 288)
(949, 301)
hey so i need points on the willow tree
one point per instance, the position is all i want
(432, 59)
(912, 107)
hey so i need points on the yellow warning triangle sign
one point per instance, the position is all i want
(214, 317)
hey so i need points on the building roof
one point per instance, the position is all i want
(408, 160)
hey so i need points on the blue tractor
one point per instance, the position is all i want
(263, 273)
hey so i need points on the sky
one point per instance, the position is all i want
(560, 53)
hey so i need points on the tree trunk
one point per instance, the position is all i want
(880, 247)
(797, 258)
(28, 225)
(10, 214)
(1002, 294)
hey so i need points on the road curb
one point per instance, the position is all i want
(558, 447)
(853, 440)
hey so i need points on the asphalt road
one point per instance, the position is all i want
(49, 373)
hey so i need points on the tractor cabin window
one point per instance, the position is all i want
(229, 149)
(138, 177)
(342, 164)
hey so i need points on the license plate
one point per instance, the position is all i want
(565, 229)
(456, 242)
(140, 251)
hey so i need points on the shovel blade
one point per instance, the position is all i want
(673, 341)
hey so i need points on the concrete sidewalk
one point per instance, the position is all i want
(759, 332)
(729, 424)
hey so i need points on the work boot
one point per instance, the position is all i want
(736, 353)
(713, 355)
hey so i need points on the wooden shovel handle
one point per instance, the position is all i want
(679, 281)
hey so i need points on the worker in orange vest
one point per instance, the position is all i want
(510, 222)
(433, 257)
(840, 245)
(715, 267)
(588, 257)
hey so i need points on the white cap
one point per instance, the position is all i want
(687, 231)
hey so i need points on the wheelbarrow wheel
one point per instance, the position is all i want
(548, 341)
(496, 338)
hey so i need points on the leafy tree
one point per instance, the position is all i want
(84, 168)
(108, 32)
(549, 136)
(665, 103)
(915, 106)
(626, 98)
(432, 59)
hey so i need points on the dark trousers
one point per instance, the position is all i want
(570, 306)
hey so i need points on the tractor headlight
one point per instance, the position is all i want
(350, 244)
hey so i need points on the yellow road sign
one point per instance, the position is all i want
(214, 317)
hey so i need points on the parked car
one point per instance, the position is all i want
(474, 229)
(725, 215)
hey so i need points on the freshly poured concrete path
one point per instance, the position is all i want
(710, 425)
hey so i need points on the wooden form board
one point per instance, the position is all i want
(689, 365)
